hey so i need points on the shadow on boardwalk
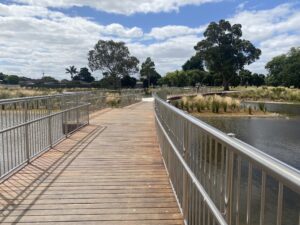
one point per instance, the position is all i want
(110, 172)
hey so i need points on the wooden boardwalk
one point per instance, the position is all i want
(108, 173)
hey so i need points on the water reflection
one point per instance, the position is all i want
(278, 137)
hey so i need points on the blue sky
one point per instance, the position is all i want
(47, 36)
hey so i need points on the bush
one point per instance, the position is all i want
(113, 100)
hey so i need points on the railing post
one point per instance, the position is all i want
(49, 123)
(26, 132)
(88, 114)
(229, 182)
(77, 111)
(185, 199)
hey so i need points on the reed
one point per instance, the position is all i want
(281, 94)
(200, 103)
(113, 100)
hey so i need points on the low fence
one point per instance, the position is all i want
(220, 180)
(32, 125)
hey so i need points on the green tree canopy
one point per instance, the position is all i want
(113, 59)
(186, 78)
(48, 79)
(148, 73)
(194, 63)
(2, 76)
(224, 52)
(11, 79)
(245, 77)
(84, 75)
(128, 82)
(285, 69)
(72, 71)
(258, 79)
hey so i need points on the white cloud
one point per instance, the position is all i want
(170, 31)
(260, 25)
(118, 30)
(168, 55)
(126, 7)
(274, 31)
(35, 39)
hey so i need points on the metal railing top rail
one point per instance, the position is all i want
(44, 117)
(22, 99)
(280, 170)
(218, 215)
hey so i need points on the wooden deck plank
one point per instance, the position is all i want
(110, 172)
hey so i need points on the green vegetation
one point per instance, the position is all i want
(224, 52)
(6, 93)
(213, 104)
(187, 78)
(113, 99)
(72, 71)
(217, 105)
(281, 94)
(149, 75)
(194, 63)
(224, 55)
(114, 60)
(284, 70)
(219, 60)
(84, 75)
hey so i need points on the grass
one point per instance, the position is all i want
(279, 94)
(216, 105)
(6, 93)
(113, 99)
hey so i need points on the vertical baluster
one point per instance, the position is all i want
(262, 198)
(249, 194)
(26, 131)
(228, 186)
(238, 184)
(49, 122)
(279, 203)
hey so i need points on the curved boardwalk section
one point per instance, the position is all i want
(108, 173)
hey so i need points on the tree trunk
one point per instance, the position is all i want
(115, 79)
(226, 85)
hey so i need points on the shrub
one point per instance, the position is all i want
(176, 104)
(113, 100)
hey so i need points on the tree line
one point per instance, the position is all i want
(220, 59)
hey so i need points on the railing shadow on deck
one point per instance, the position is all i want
(32, 125)
(16, 189)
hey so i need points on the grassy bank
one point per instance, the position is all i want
(277, 94)
(217, 105)
(7, 92)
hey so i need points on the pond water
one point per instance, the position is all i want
(278, 137)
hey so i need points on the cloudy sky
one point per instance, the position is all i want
(39, 36)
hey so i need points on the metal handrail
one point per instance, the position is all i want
(279, 169)
(44, 117)
(216, 161)
(200, 188)
(31, 125)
